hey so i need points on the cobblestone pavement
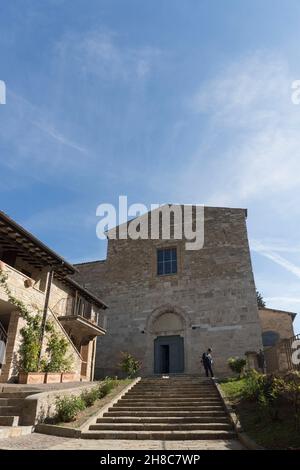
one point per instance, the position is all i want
(42, 441)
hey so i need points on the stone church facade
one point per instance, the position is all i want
(167, 305)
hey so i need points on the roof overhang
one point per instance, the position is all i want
(16, 238)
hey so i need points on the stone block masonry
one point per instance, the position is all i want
(209, 302)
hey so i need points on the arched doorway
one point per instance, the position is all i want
(168, 330)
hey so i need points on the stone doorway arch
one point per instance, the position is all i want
(166, 327)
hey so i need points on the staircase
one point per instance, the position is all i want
(11, 403)
(179, 407)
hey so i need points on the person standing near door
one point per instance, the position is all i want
(207, 362)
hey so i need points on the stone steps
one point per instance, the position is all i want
(163, 419)
(10, 410)
(152, 407)
(175, 413)
(153, 395)
(160, 435)
(171, 390)
(175, 386)
(22, 394)
(11, 401)
(159, 427)
(172, 401)
(169, 383)
(9, 420)
(177, 408)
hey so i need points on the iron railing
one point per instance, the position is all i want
(3, 334)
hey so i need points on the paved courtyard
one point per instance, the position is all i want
(37, 441)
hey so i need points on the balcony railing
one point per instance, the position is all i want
(3, 334)
(78, 306)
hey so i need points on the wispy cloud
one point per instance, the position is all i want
(275, 245)
(251, 136)
(101, 53)
(275, 257)
(36, 137)
(37, 118)
(52, 132)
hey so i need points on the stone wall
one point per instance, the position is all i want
(212, 297)
(39, 406)
(278, 321)
(34, 299)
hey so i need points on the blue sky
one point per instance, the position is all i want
(163, 101)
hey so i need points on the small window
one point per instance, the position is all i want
(166, 261)
(270, 338)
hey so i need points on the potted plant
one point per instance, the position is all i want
(56, 366)
(69, 377)
(31, 377)
(57, 362)
(52, 377)
(30, 352)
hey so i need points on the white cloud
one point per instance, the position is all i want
(248, 155)
(274, 244)
(252, 133)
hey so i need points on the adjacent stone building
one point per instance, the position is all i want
(41, 280)
(276, 325)
(167, 304)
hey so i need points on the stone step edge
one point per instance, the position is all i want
(165, 419)
(159, 435)
(11, 421)
(160, 427)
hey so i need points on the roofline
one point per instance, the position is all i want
(89, 294)
(292, 314)
(37, 242)
(245, 210)
(90, 262)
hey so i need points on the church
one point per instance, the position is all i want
(167, 304)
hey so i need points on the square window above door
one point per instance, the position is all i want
(166, 261)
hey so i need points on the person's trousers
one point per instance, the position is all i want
(208, 369)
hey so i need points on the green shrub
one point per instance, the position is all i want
(68, 407)
(129, 364)
(270, 392)
(266, 389)
(237, 364)
(90, 396)
(106, 387)
(57, 349)
(292, 393)
(31, 334)
(31, 345)
(252, 385)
